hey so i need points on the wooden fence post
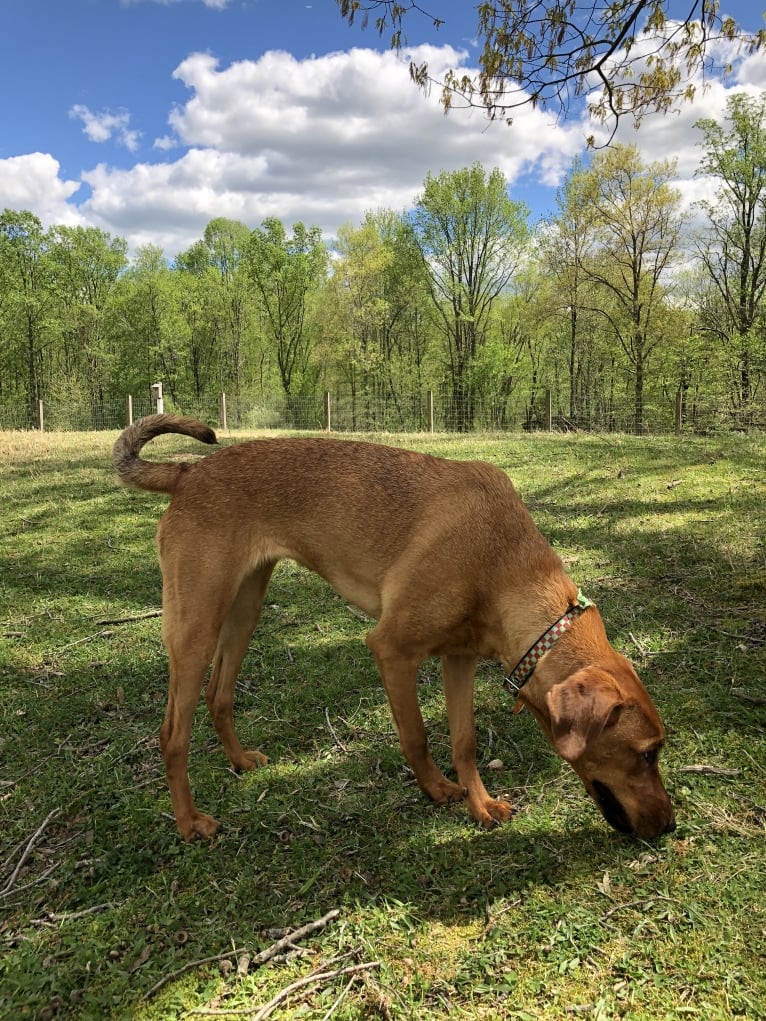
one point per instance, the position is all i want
(327, 411)
(548, 411)
(222, 410)
(679, 412)
(156, 391)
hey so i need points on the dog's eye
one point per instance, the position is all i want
(652, 756)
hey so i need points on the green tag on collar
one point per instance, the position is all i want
(582, 601)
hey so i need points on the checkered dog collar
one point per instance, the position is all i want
(524, 669)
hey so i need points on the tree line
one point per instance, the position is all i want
(617, 297)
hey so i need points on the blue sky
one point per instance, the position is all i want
(147, 118)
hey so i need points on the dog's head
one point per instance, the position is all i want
(603, 723)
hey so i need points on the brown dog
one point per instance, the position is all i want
(443, 554)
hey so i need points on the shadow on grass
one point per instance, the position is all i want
(318, 828)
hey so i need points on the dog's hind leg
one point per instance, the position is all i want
(189, 645)
(458, 673)
(400, 680)
(233, 640)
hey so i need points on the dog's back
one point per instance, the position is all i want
(356, 513)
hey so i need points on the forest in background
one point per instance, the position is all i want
(620, 299)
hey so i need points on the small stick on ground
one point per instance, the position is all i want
(68, 916)
(330, 727)
(88, 638)
(257, 960)
(340, 998)
(130, 620)
(644, 902)
(322, 976)
(27, 851)
(750, 699)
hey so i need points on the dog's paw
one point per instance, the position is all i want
(446, 793)
(198, 827)
(249, 760)
(492, 812)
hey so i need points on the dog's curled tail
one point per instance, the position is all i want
(159, 477)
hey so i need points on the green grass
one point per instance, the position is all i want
(552, 916)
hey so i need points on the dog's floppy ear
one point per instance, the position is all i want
(581, 707)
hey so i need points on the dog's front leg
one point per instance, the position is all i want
(458, 673)
(400, 680)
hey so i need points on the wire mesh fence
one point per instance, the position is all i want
(423, 412)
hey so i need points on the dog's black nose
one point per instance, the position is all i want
(670, 828)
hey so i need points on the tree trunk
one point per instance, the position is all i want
(638, 401)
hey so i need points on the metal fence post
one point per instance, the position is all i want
(327, 411)
(430, 410)
(548, 411)
(222, 410)
(40, 416)
(129, 409)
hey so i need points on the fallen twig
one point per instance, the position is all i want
(243, 966)
(710, 770)
(37, 766)
(36, 882)
(741, 638)
(7, 863)
(214, 1008)
(130, 620)
(27, 851)
(68, 916)
(358, 614)
(88, 638)
(744, 697)
(301, 983)
(639, 645)
(188, 967)
(293, 937)
(330, 727)
(753, 805)
(256, 961)
(644, 902)
(340, 998)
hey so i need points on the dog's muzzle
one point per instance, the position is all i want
(611, 809)
(615, 814)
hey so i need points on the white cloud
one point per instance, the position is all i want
(324, 140)
(165, 143)
(321, 140)
(675, 136)
(215, 5)
(101, 127)
(752, 71)
(33, 182)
